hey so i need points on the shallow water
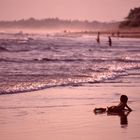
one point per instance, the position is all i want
(31, 61)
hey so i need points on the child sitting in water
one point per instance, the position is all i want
(120, 107)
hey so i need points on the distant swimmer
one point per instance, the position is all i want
(98, 37)
(109, 41)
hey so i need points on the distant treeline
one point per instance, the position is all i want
(56, 23)
(132, 20)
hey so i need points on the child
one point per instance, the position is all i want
(119, 108)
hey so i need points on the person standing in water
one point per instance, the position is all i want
(109, 41)
(98, 37)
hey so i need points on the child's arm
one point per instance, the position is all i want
(128, 108)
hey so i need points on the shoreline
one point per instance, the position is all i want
(67, 113)
(119, 33)
(114, 32)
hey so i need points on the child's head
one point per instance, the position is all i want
(123, 98)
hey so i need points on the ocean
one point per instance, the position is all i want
(30, 62)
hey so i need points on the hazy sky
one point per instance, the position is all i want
(102, 10)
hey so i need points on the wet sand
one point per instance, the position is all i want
(67, 114)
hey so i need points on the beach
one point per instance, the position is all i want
(70, 70)
(50, 85)
(67, 113)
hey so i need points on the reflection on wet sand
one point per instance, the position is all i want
(122, 114)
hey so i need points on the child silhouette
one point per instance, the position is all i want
(122, 106)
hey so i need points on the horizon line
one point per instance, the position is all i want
(80, 20)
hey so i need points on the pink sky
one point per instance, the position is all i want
(102, 10)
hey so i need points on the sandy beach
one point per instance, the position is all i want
(70, 70)
(67, 113)
(68, 76)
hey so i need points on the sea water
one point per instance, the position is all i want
(31, 62)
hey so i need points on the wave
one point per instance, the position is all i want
(86, 60)
(56, 81)
(125, 60)
(13, 60)
(39, 82)
(69, 60)
(2, 49)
